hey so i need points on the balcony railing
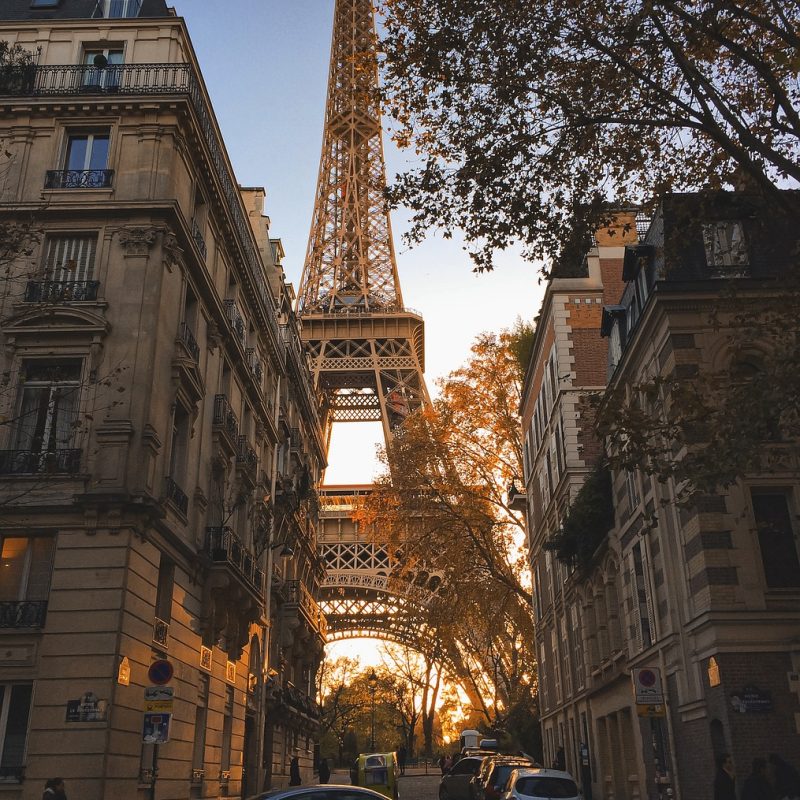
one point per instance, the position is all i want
(197, 235)
(245, 454)
(253, 364)
(12, 774)
(160, 632)
(164, 79)
(36, 462)
(235, 319)
(78, 178)
(295, 439)
(60, 291)
(225, 547)
(299, 595)
(186, 337)
(176, 495)
(23, 613)
(225, 416)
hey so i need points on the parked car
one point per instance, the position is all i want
(540, 784)
(455, 783)
(489, 783)
(328, 791)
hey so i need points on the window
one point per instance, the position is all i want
(15, 706)
(200, 723)
(48, 406)
(27, 564)
(180, 443)
(121, 9)
(632, 490)
(227, 728)
(87, 151)
(70, 258)
(164, 590)
(68, 269)
(101, 67)
(643, 606)
(777, 540)
(577, 646)
(85, 164)
(725, 244)
(566, 657)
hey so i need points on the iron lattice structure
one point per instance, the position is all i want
(367, 349)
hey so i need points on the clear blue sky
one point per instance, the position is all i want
(265, 63)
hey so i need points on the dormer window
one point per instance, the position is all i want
(121, 9)
(725, 245)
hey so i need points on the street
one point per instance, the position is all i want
(414, 785)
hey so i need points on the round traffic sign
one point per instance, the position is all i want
(647, 678)
(160, 672)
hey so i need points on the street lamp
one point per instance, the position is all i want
(372, 679)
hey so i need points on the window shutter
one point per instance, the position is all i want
(71, 258)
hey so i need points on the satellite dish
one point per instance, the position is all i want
(100, 61)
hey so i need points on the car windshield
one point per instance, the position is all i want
(536, 786)
(502, 771)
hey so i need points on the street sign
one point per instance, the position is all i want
(647, 686)
(651, 711)
(158, 699)
(160, 672)
(155, 729)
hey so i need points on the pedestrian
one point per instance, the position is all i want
(448, 763)
(54, 790)
(442, 761)
(294, 772)
(401, 759)
(324, 771)
(756, 784)
(725, 779)
(560, 761)
(785, 778)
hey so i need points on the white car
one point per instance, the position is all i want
(540, 784)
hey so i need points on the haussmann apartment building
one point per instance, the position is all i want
(667, 630)
(160, 444)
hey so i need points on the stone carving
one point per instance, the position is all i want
(137, 241)
(171, 250)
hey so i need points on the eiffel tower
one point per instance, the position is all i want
(367, 349)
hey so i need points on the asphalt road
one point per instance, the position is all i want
(414, 785)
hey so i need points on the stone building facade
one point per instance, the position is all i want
(159, 440)
(701, 598)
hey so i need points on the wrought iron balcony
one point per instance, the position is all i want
(225, 547)
(162, 79)
(197, 235)
(12, 774)
(186, 338)
(60, 291)
(78, 178)
(161, 632)
(295, 439)
(235, 319)
(225, 417)
(245, 454)
(36, 462)
(23, 613)
(176, 495)
(300, 597)
(253, 364)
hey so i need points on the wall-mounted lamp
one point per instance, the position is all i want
(287, 550)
